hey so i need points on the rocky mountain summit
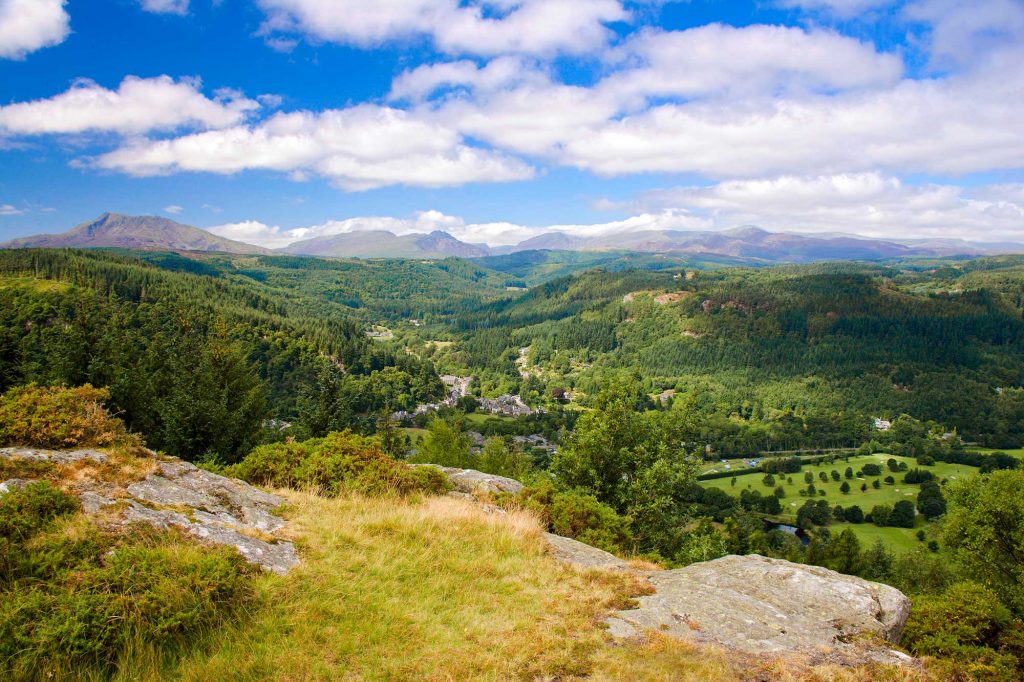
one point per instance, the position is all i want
(166, 492)
(751, 604)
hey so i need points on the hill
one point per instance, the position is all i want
(748, 348)
(144, 233)
(384, 244)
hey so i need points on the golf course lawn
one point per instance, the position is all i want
(898, 539)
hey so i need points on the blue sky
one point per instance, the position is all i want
(274, 120)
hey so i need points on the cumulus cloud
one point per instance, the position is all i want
(166, 6)
(173, 209)
(499, 73)
(962, 32)
(358, 148)
(30, 25)
(753, 59)
(139, 105)
(482, 27)
(932, 126)
(9, 210)
(868, 204)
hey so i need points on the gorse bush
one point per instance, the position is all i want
(338, 463)
(75, 599)
(59, 418)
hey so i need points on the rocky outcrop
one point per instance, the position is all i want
(750, 604)
(582, 555)
(759, 605)
(213, 508)
(472, 482)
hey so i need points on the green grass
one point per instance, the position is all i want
(1018, 453)
(898, 539)
(481, 417)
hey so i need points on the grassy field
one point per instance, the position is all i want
(899, 539)
(1018, 453)
(477, 418)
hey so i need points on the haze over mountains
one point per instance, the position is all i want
(154, 233)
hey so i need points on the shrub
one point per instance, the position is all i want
(880, 514)
(854, 514)
(23, 514)
(337, 463)
(918, 476)
(574, 514)
(148, 587)
(58, 418)
(964, 628)
(872, 470)
(902, 515)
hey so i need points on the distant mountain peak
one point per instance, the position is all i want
(144, 233)
(384, 244)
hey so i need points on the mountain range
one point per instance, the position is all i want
(744, 244)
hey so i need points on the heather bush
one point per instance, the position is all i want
(340, 462)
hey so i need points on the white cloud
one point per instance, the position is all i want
(30, 25)
(138, 105)
(499, 73)
(424, 222)
(965, 31)
(166, 6)
(954, 125)
(868, 204)
(173, 210)
(358, 148)
(483, 27)
(8, 210)
(750, 60)
(516, 105)
(844, 8)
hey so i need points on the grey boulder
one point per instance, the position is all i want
(759, 605)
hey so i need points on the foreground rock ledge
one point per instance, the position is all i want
(224, 511)
(761, 606)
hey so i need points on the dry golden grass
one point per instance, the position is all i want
(436, 589)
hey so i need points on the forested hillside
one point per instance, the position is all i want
(758, 348)
(194, 360)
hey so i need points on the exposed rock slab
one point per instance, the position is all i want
(213, 508)
(582, 555)
(470, 481)
(759, 605)
(55, 456)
